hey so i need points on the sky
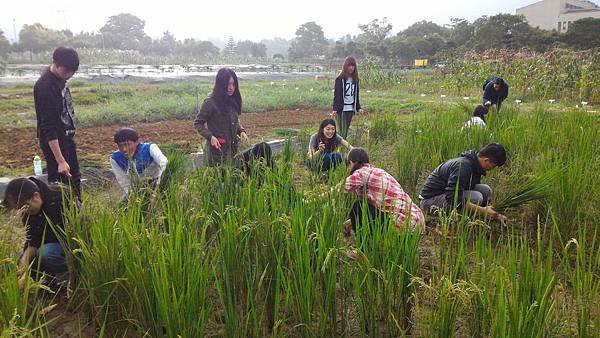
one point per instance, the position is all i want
(243, 19)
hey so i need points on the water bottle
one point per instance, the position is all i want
(37, 165)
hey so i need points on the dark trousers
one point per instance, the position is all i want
(374, 215)
(69, 152)
(343, 121)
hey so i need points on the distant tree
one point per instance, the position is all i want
(252, 49)
(583, 34)
(4, 44)
(500, 31)
(345, 47)
(373, 37)
(230, 47)
(125, 31)
(87, 40)
(423, 29)
(167, 44)
(204, 49)
(461, 33)
(279, 56)
(37, 38)
(309, 41)
(276, 46)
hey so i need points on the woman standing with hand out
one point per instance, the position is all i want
(218, 119)
(346, 100)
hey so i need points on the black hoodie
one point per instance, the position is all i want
(454, 177)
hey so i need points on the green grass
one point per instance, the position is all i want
(217, 253)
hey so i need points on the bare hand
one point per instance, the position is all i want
(64, 169)
(502, 219)
(361, 111)
(244, 137)
(333, 114)
(215, 143)
(321, 146)
(487, 103)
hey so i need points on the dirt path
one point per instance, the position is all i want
(18, 146)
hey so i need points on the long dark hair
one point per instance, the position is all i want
(349, 61)
(219, 92)
(330, 143)
(20, 190)
(359, 156)
(480, 112)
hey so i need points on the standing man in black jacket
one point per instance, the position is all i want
(456, 183)
(56, 118)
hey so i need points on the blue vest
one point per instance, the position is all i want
(142, 158)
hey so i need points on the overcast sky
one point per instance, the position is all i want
(243, 19)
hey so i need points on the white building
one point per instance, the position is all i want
(558, 14)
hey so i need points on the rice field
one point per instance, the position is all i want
(218, 253)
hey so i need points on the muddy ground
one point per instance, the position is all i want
(18, 146)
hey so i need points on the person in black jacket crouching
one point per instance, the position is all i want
(456, 183)
(44, 210)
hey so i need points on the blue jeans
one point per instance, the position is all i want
(52, 260)
(325, 162)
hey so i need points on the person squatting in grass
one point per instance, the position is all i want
(218, 120)
(136, 161)
(495, 90)
(346, 101)
(44, 211)
(478, 118)
(260, 154)
(456, 183)
(56, 118)
(383, 195)
(322, 155)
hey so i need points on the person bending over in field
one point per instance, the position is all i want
(44, 213)
(495, 90)
(379, 195)
(259, 153)
(322, 155)
(218, 120)
(478, 118)
(136, 161)
(456, 183)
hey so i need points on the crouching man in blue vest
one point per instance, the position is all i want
(136, 162)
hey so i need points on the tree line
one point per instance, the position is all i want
(423, 39)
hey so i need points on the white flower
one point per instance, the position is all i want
(311, 89)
